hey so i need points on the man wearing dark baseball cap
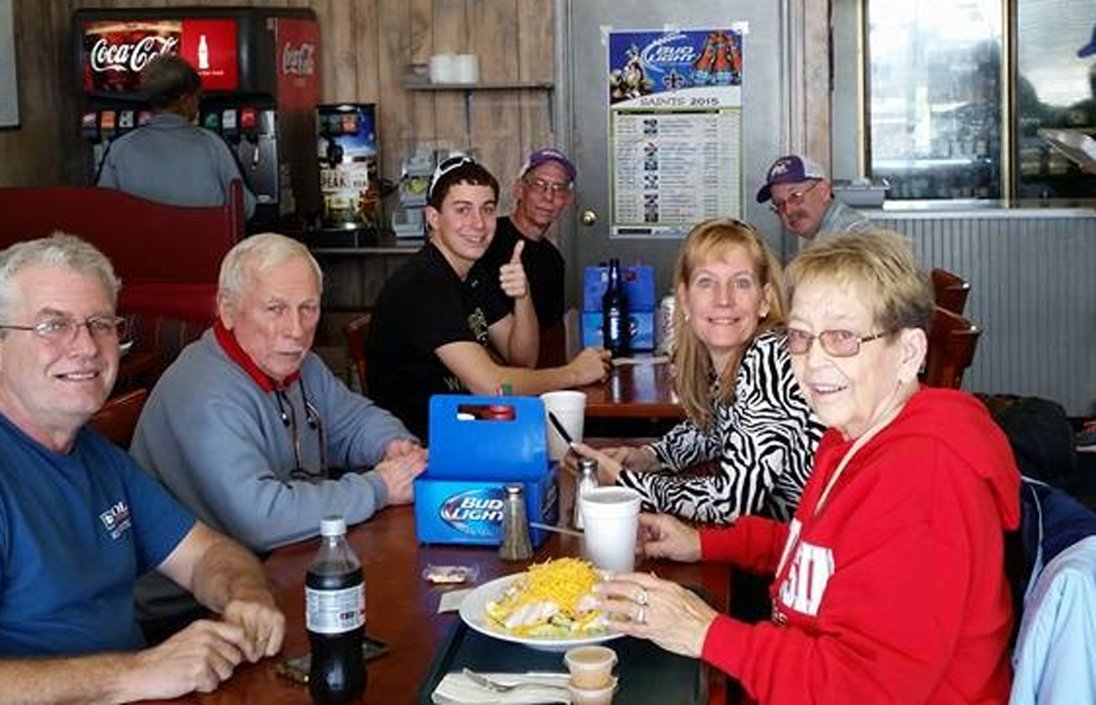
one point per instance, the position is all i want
(542, 192)
(802, 197)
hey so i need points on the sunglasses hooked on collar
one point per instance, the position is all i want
(444, 167)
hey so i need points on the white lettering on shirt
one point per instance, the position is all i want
(116, 519)
(811, 566)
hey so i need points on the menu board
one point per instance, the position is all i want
(675, 129)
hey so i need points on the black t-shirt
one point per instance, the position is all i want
(423, 306)
(543, 268)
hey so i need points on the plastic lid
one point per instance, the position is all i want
(332, 526)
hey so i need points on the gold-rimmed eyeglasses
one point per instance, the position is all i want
(838, 343)
(62, 330)
(794, 199)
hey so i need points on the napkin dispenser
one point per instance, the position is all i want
(478, 444)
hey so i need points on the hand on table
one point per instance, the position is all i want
(404, 447)
(663, 536)
(198, 658)
(263, 624)
(589, 366)
(398, 475)
(651, 608)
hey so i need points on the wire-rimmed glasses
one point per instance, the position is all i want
(838, 343)
(62, 330)
(794, 199)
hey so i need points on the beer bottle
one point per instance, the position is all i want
(615, 323)
(335, 619)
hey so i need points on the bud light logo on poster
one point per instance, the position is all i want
(475, 512)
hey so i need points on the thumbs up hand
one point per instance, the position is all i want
(512, 275)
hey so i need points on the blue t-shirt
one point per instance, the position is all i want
(76, 530)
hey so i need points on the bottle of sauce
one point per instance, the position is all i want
(615, 325)
(335, 619)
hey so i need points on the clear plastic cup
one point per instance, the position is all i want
(591, 668)
(593, 696)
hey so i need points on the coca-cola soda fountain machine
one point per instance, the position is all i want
(260, 71)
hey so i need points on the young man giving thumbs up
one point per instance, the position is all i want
(442, 323)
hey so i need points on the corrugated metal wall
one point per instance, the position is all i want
(1033, 292)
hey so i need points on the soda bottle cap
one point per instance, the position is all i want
(332, 526)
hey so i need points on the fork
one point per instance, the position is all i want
(496, 687)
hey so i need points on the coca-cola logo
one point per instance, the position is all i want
(130, 56)
(299, 61)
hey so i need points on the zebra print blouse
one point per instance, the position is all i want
(764, 442)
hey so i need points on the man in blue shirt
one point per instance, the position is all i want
(79, 521)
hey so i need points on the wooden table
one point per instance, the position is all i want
(401, 607)
(643, 390)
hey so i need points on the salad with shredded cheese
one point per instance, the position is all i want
(552, 600)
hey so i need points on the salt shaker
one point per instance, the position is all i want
(587, 480)
(515, 527)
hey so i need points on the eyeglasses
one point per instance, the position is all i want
(794, 198)
(444, 167)
(63, 330)
(556, 188)
(838, 343)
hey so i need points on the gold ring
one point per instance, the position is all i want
(641, 615)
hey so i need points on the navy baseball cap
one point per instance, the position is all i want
(1090, 48)
(789, 169)
(548, 154)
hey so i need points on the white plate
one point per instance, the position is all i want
(473, 614)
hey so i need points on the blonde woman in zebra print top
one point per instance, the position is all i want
(745, 412)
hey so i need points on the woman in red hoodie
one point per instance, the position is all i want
(889, 581)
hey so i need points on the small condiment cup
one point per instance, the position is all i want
(591, 669)
(593, 696)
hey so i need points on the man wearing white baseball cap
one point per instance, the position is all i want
(802, 197)
(542, 192)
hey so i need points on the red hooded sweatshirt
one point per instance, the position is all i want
(895, 590)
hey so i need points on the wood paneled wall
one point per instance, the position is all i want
(369, 48)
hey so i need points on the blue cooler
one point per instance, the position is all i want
(475, 449)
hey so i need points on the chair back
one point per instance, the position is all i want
(949, 290)
(117, 420)
(146, 241)
(357, 334)
(952, 341)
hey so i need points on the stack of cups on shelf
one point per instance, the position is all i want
(466, 68)
(592, 681)
(443, 68)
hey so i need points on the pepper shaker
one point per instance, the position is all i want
(515, 544)
(587, 480)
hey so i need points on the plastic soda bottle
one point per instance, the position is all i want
(335, 618)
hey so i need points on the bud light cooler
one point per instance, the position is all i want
(474, 451)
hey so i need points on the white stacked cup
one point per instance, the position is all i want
(466, 68)
(569, 408)
(610, 516)
(443, 68)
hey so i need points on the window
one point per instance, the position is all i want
(935, 97)
(1055, 88)
(950, 118)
